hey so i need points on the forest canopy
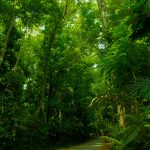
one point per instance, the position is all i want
(74, 70)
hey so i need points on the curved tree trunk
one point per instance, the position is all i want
(7, 39)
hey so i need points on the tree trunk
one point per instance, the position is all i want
(12, 20)
(102, 9)
(103, 13)
(51, 39)
(121, 113)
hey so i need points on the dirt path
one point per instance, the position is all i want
(93, 145)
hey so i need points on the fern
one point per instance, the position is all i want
(109, 139)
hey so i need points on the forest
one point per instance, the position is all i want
(72, 71)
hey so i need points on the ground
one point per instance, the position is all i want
(93, 145)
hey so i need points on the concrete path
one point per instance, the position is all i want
(93, 145)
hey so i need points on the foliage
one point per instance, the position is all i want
(70, 69)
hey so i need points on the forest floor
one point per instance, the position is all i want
(92, 145)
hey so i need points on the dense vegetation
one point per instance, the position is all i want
(71, 70)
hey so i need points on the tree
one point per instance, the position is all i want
(124, 63)
(70, 69)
